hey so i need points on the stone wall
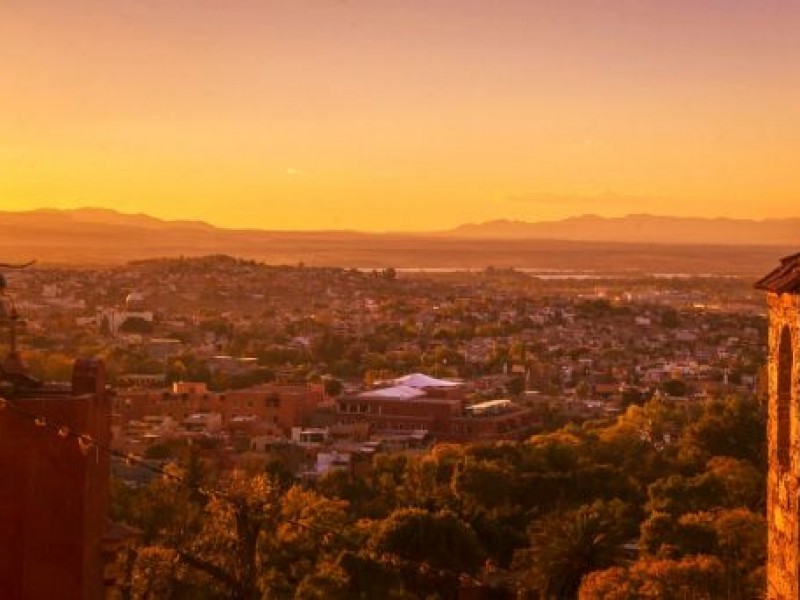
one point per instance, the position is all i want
(783, 485)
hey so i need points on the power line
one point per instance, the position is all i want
(87, 442)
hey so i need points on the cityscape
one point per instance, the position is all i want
(378, 406)
(382, 300)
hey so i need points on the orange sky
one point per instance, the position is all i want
(400, 114)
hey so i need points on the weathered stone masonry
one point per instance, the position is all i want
(783, 435)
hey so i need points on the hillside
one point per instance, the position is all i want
(97, 236)
(643, 228)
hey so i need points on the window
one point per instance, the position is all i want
(785, 363)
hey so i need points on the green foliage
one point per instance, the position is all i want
(566, 546)
(690, 577)
(685, 480)
(440, 539)
(732, 427)
(744, 485)
(677, 494)
(369, 578)
(484, 485)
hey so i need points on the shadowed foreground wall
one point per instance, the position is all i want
(783, 488)
(53, 496)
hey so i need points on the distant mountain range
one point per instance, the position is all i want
(643, 228)
(645, 242)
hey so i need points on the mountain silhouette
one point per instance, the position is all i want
(95, 236)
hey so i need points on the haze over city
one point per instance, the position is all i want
(400, 116)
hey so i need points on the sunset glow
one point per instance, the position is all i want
(388, 115)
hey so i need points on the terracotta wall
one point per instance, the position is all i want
(53, 500)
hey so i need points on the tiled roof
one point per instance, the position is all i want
(785, 279)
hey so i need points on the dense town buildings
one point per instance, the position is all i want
(243, 354)
(234, 323)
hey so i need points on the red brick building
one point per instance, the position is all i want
(286, 406)
(444, 415)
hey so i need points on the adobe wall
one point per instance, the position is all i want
(53, 500)
(783, 491)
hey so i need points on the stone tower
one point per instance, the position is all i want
(783, 434)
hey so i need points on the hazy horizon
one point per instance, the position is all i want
(111, 211)
(645, 243)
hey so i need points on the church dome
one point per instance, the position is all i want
(134, 301)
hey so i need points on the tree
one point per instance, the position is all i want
(333, 387)
(164, 511)
(328, 347)
(678, 495)
(368, 578)
(744, 484)
(690, 577)
(439, 539)
(484, 485)
(567, 546)
(330, 582)
(742, 542)
(227, 550)
(310, 530)
(733, 427)
(675, 387)
(154, 573)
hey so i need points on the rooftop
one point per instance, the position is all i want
(420, 380)
(400, 392)
(785, 279)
